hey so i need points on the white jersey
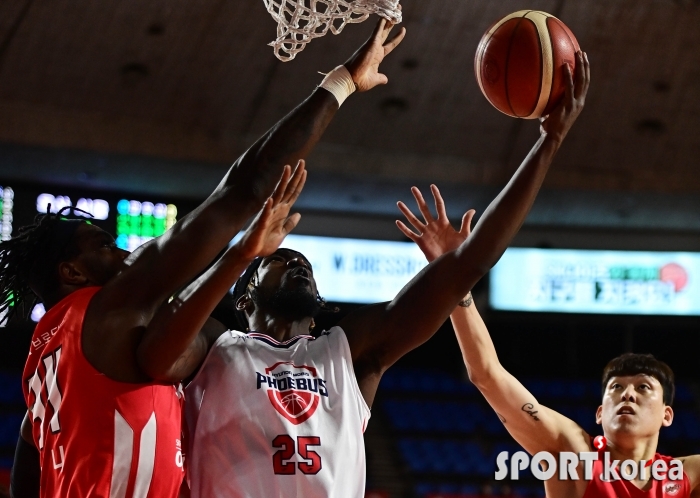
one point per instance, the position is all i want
(276, 420)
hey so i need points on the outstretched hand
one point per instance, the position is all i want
(562, 117)
(435, 236)
(364, 64)
(273, 223)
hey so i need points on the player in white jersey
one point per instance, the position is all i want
(274, 412)
(268, 418)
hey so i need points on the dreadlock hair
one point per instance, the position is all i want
(249, 279)
(634, 364)
(28, 261)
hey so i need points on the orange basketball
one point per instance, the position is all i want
(519, 63)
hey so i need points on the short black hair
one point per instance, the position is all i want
(29, 260)
(246, 280)
(635, 364)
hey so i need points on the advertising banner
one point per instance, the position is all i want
(614, 282)
(359, 271)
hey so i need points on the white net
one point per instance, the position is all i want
(300, 21)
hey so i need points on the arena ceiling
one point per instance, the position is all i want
(186, 86)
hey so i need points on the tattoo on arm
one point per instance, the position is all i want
(529, 409)
(501, 418)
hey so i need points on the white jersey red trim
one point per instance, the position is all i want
(276, 419)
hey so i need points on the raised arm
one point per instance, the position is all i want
(381, 334)
(179, 335)
(115, 321)
(535, 427)
(167, 263)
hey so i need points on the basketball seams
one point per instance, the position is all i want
(546, 62)
(516, 64)
(481, 49)
(507, 64)
(563, 30)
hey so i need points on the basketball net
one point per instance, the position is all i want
(300, 21)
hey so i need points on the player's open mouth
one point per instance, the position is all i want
(301, 273)
(626, 410)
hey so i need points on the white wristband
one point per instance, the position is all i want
(339, 83)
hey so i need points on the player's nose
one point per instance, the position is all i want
(629, 393)
(297, 261)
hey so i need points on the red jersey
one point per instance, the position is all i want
(97, 437)
(621, 488)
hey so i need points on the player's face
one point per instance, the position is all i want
(634, 406)
(99, 258)
(287, 270)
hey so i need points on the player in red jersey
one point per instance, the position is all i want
(637, 393)
(97, 425)
(97, 436)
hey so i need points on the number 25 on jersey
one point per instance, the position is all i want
(288, 448)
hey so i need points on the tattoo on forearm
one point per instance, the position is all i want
(501, 418)
(529, 409)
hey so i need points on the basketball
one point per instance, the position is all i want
(518, 63)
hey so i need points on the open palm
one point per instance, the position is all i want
(435, 236)
(364, 64)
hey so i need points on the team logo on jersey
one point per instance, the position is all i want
(294, 390)
(672, 488)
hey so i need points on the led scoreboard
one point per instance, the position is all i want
(131, 218)
(98, 208)
(7, 196)
(139, 222)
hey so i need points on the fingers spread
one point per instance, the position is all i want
(406, 231)
(394, 42)
(439, 203)
(422, 206)
(417, 224)
(466, 227)
(378, 33)
(296, 184)
(294, 193)
(281, 186)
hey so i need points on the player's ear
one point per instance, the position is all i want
(245, 303)
(668, 416)
(599, 415)
(70, 274)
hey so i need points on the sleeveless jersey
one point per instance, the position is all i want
(597, 488)
(97, 437)
(276, 420)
